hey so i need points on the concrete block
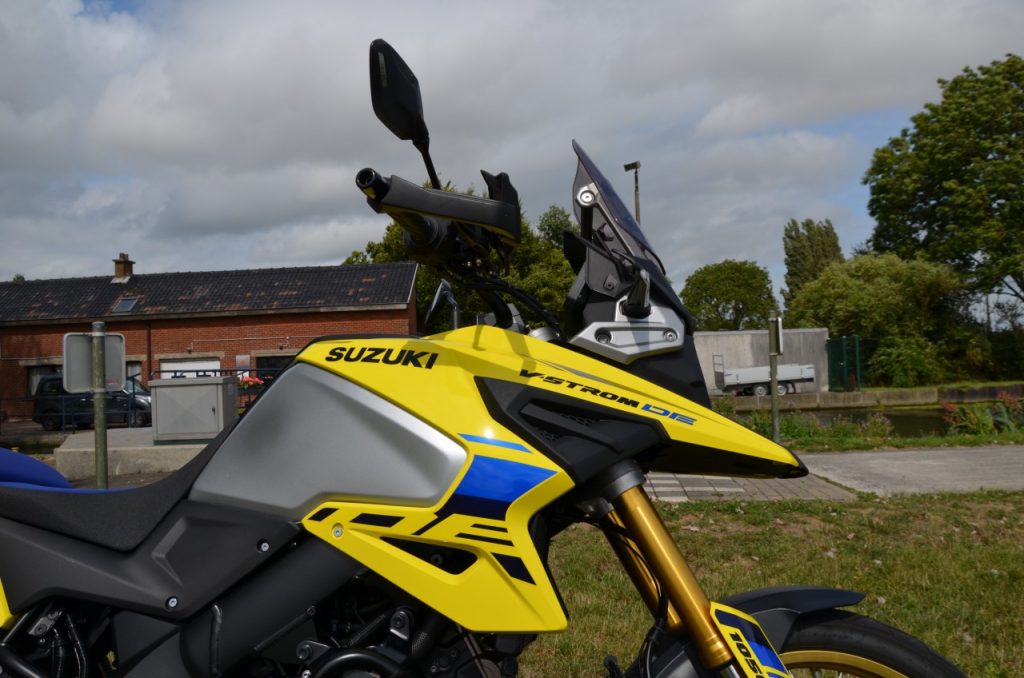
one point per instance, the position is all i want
(798, 401)
(77, 463)
(745, 403)
(834, 400)
(980, 394)
(910, 396)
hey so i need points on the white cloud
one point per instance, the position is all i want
(226, 135)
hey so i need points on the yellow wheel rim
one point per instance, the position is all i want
(842, 663)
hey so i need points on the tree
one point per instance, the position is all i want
(536, 265)
(952, 188)
(729, 295)
(810, 247)
(911, 314)
(553, 222)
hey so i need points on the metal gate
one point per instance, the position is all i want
(845, 358)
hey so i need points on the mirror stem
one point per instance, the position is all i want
(424, 149)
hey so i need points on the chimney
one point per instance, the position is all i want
(122, 268)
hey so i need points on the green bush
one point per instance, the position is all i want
(760, 422)
(804, 427)
(799, 425)
(843, 427)
(725, 406)
(877, 425)
(1005, 416)
(905, 361)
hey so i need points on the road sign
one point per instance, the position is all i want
(774, 335)
(78, 362)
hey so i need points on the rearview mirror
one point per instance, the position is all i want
(395, 92)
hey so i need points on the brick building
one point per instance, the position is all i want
(188, 322)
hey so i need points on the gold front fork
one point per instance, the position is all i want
(688, 605)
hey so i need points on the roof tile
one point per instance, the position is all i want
(209, 292)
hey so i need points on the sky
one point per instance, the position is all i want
(226, 134)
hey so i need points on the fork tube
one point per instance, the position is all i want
(659, 550)
(638, 572)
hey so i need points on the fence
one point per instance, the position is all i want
(70, 412)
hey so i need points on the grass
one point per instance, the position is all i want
(951, 385)
(948, 569)
(846, 444)
(971, 425)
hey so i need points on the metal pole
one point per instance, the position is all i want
(773, 368)
(636, 191)
(635, 166)
(99, 400)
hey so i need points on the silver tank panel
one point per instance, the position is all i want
(315, 436)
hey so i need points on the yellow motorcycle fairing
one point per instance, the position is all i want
(6, 617)
(506, 587)
(506, 478)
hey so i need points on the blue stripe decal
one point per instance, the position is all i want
(500, 480)
(497, 443)
(755, 638)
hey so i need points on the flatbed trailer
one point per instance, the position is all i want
(757, 380)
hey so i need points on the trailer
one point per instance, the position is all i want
(757, 380)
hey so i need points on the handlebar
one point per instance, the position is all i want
(426, 213)
(425, 231)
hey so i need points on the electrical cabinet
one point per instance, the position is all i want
(193, 409)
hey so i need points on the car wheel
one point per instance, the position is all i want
(761, 390)
(50, 421)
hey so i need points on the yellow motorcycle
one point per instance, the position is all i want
(386, 507)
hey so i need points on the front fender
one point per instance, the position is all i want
(777, 609)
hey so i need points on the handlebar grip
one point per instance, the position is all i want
(395, 195)
(372, 184)
(425, 231)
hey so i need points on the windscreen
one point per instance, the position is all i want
(613, 224)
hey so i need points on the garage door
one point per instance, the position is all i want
(193, 367)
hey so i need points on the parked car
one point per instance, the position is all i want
(54, 408)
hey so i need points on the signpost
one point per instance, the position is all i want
(774, 351)
(94, 361)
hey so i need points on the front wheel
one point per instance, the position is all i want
(836, 643)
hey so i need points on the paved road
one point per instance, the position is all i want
(676, 487)
(836, 476)
(959, 469)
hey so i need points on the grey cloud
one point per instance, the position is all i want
(226, 134)
(812, 161)
(317, 242)
(254, 201)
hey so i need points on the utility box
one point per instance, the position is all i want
(189, 410)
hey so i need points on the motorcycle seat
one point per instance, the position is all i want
(23, 469)
(115, 519)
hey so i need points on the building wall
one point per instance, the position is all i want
(150, 342)
(749, 348)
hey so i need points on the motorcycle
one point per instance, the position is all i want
(386, 507)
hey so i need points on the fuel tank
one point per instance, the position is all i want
(392, 420)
